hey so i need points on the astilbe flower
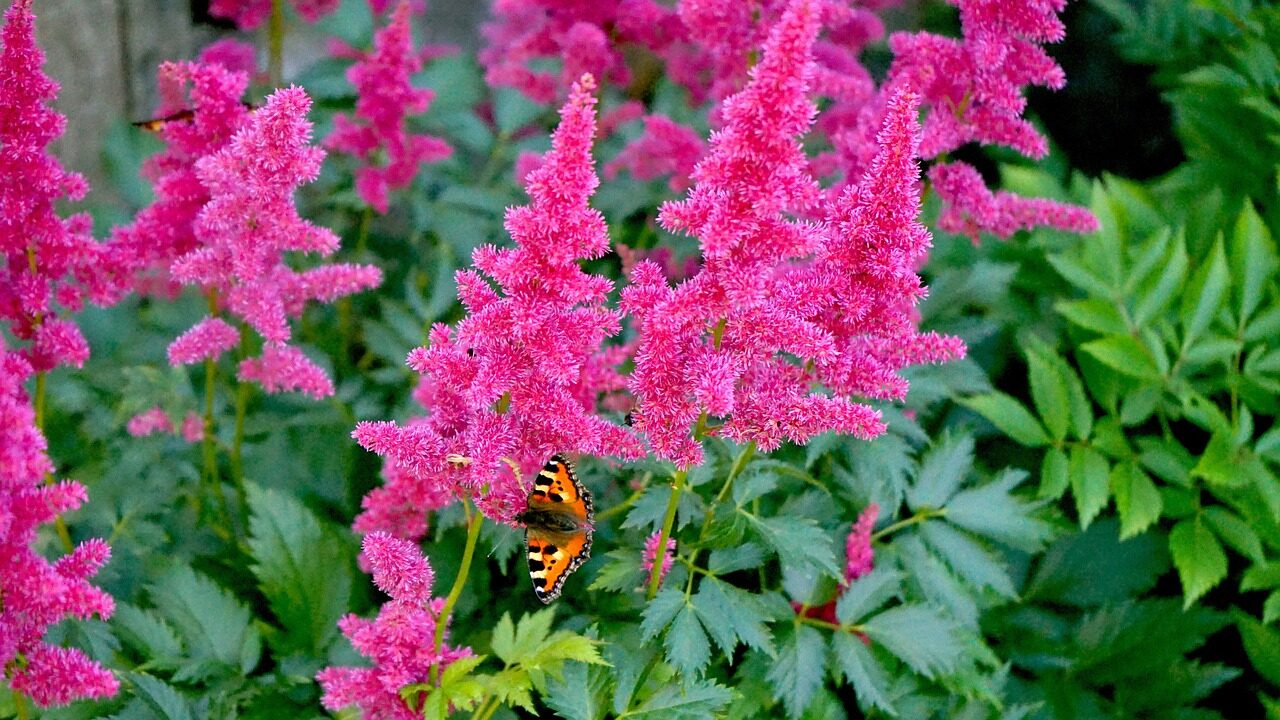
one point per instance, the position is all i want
(38, 594)
(715, 345)
(140, 254)
(232, 54)
(399, 642)
(521, 375)
(249, 14)
(650, 555)
(386, 98)
(241, 236)
(972, 88)
(51, 264)
(665, 148)
(155, 420)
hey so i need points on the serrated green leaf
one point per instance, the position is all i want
(1123, 354)
(1078, 275)
(1054, 475)
(942, 470)
(1169, 278)
(969, 560)
(514, 687)
(741, 610)
(871, 682)
(1261, 576)
(1090, 476)
(697, 701)
(992, 511)
(1009, 416)
(621, 572)
(660, 611)
(919, 636)
(1262, 644)
(798, 542)
(302, 568)
(211, 621)
(1137, 499)
(1049, 392)
(1205, 293)
(799, 670)
(161, 698)
(688, 649)
(1235, 532)
(1199, 558)
(868, 593)
(576, 696)
(147, 632)
(1253, 259)
(740, 557)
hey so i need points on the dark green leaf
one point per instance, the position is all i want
(213, 624)
(687, 647)
(166, 702)
(868, 593)
(1262, 643)
(1205, 294)
(972, 562)
(798, 541)
(871, 682)
(302, 568)
(942, 470)
(799, 670)
(697, 701)
(919, 636)
(660, 611)
(992, 511)
(1097, 315)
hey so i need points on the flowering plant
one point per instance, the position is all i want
(780, 354)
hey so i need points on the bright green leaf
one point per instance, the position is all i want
(1199, 558)
(1137, 499)
(1262, 644)
(1205, 294)
(942, 470)
(1054, 478)
(1123, 354)
(1090, 482)
(1235, 532)
(1049, 392)
(1009, 416)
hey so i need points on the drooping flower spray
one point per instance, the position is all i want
(49, 269)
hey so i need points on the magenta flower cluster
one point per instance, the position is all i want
(386, 97)
(399, 643)
(49, 267)
(520, 377)
(249, 14)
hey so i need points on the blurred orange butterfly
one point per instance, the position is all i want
(557, 520)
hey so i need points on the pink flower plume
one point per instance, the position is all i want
(386, 98)
(859, 558)
(650, 555)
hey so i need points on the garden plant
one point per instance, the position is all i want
(656, 359)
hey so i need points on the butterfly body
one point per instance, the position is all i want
(557, 519)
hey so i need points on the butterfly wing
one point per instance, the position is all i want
(557, 548)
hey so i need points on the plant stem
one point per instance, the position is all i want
(237, 445)
(275, 44)
(210, 470)
(908, 522)
(474, 521)
(677, 485)
(20, 705)
(487, 709)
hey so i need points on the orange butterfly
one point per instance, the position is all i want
(557, 520)
(156, 124)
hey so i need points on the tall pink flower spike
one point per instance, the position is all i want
(399, 642)
(241, 236)
(519, 377)
(249, 14)
(386, 98)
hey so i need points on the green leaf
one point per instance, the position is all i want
(1090, 482)
(798, 542)
(1123, 354)
(148, 633)
(459, 689)
(1205, 294)
(739, 557)
(919, 636)
(166, 702)
(513, 111)
(697, 701)
(871, 682)
(1235, 532)
(1049, 392)
(1253, 259)
(1009, 416)
(1262, 644)
(687, 647)
(1199, 558)
(1170, 277)
(621, 572)
(1219, 463)
(660, 611)
(1137, 499)
(577, 695)
(799, 670)
(942, 470)
(740, 612)
(302, 568)
(1078, 275)
(1097, 315)
(1094, 568)
(972, 562)
(213, 624)
(992, 511)
(1054, 476)
(867, 594)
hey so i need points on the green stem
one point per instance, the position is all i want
(487, 709)
(908, 522)
(237, 446)
(20, 705)
(677, 485)
(474, 521)
(275, 44)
